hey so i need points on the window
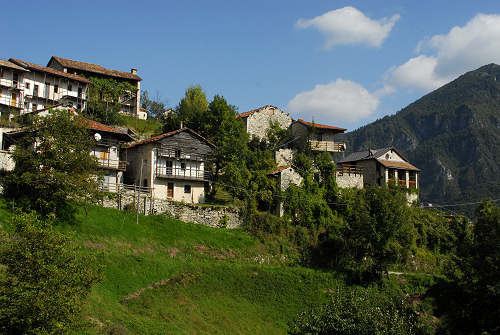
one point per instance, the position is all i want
(104, 155)
(145, 183)
(187, 188)
(35, 91)
(56, 88)
(70, 88)
(79, 92)
(183, 166)
(27, 85)
(34, 107)
(177, 153)
(1, 72)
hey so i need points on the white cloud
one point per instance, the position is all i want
(460, 50)
(339, 102)
(348, 25)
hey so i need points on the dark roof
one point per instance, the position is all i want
(95, 68)
(367, 154)
(321, 126)
(377, 155)
(35, 67)
(6, 63)
(159, 137)
(246, 114)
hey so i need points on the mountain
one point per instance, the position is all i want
(452, 134)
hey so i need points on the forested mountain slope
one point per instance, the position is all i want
(452, 134)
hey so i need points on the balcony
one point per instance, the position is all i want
(179, 173)
(327, 146)
(11, 84)
(7, 100)
(112, 164)
(412, 183)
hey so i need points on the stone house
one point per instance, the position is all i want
(43, 87)
(285, 176)
(173, 165)
(321, 137)
(258, 121)
(130, 103)
(383, 166)
(11, 87)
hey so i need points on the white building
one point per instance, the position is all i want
(130, 103)
(45, 87)
(171, 164)
(11, 87)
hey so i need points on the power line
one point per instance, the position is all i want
(456, 205)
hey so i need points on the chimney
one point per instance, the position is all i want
(182, 124)
(133, 70)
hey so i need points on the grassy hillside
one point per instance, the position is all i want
(164, 276)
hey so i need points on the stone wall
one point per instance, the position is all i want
(349, 180)
(258, 123)
(6, 161)
(212, 216)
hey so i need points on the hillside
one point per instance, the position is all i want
(452, 134)
(165, 276)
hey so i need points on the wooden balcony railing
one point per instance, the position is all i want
(412, 183)
(113, 164)
(122, 188)
(327, 146)
(349, 170)
(179, 173)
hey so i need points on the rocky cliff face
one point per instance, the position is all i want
(452, 134)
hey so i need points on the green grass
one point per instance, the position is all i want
(146, 128)
(165, 276)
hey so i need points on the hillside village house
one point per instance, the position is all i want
(130, 103)
(383, 166)
(258, 121)
(107, 152)
(106, 149)
(321, 136)
(44, 87)
(171, 164)
(11, 87)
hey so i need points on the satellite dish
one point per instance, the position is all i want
(97, 137)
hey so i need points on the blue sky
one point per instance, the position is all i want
(335, 62)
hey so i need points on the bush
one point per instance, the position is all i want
(46, 279)
(359, 311)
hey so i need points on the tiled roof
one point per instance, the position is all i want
(320, 126)
(6, 63)
(159, 137)
(31, 66)
(278, 170)
(397, 165)
(95, 68)
(245, 114)
(102, 127)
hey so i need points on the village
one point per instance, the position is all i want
(171, 166)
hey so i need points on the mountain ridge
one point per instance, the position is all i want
(452, 134)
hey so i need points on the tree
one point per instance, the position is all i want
(105, 99)
(155, 107)
(359, 311)
(53, 167)
(46, 280)
(192, 107)
(476, 273)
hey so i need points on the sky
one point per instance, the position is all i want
(343, 63)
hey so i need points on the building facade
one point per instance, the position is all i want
(173, 165)
(258, 121)
(385, 166)
(11, 88)
(130, 102)
(44, 87)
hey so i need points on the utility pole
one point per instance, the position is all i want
(139, 194)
